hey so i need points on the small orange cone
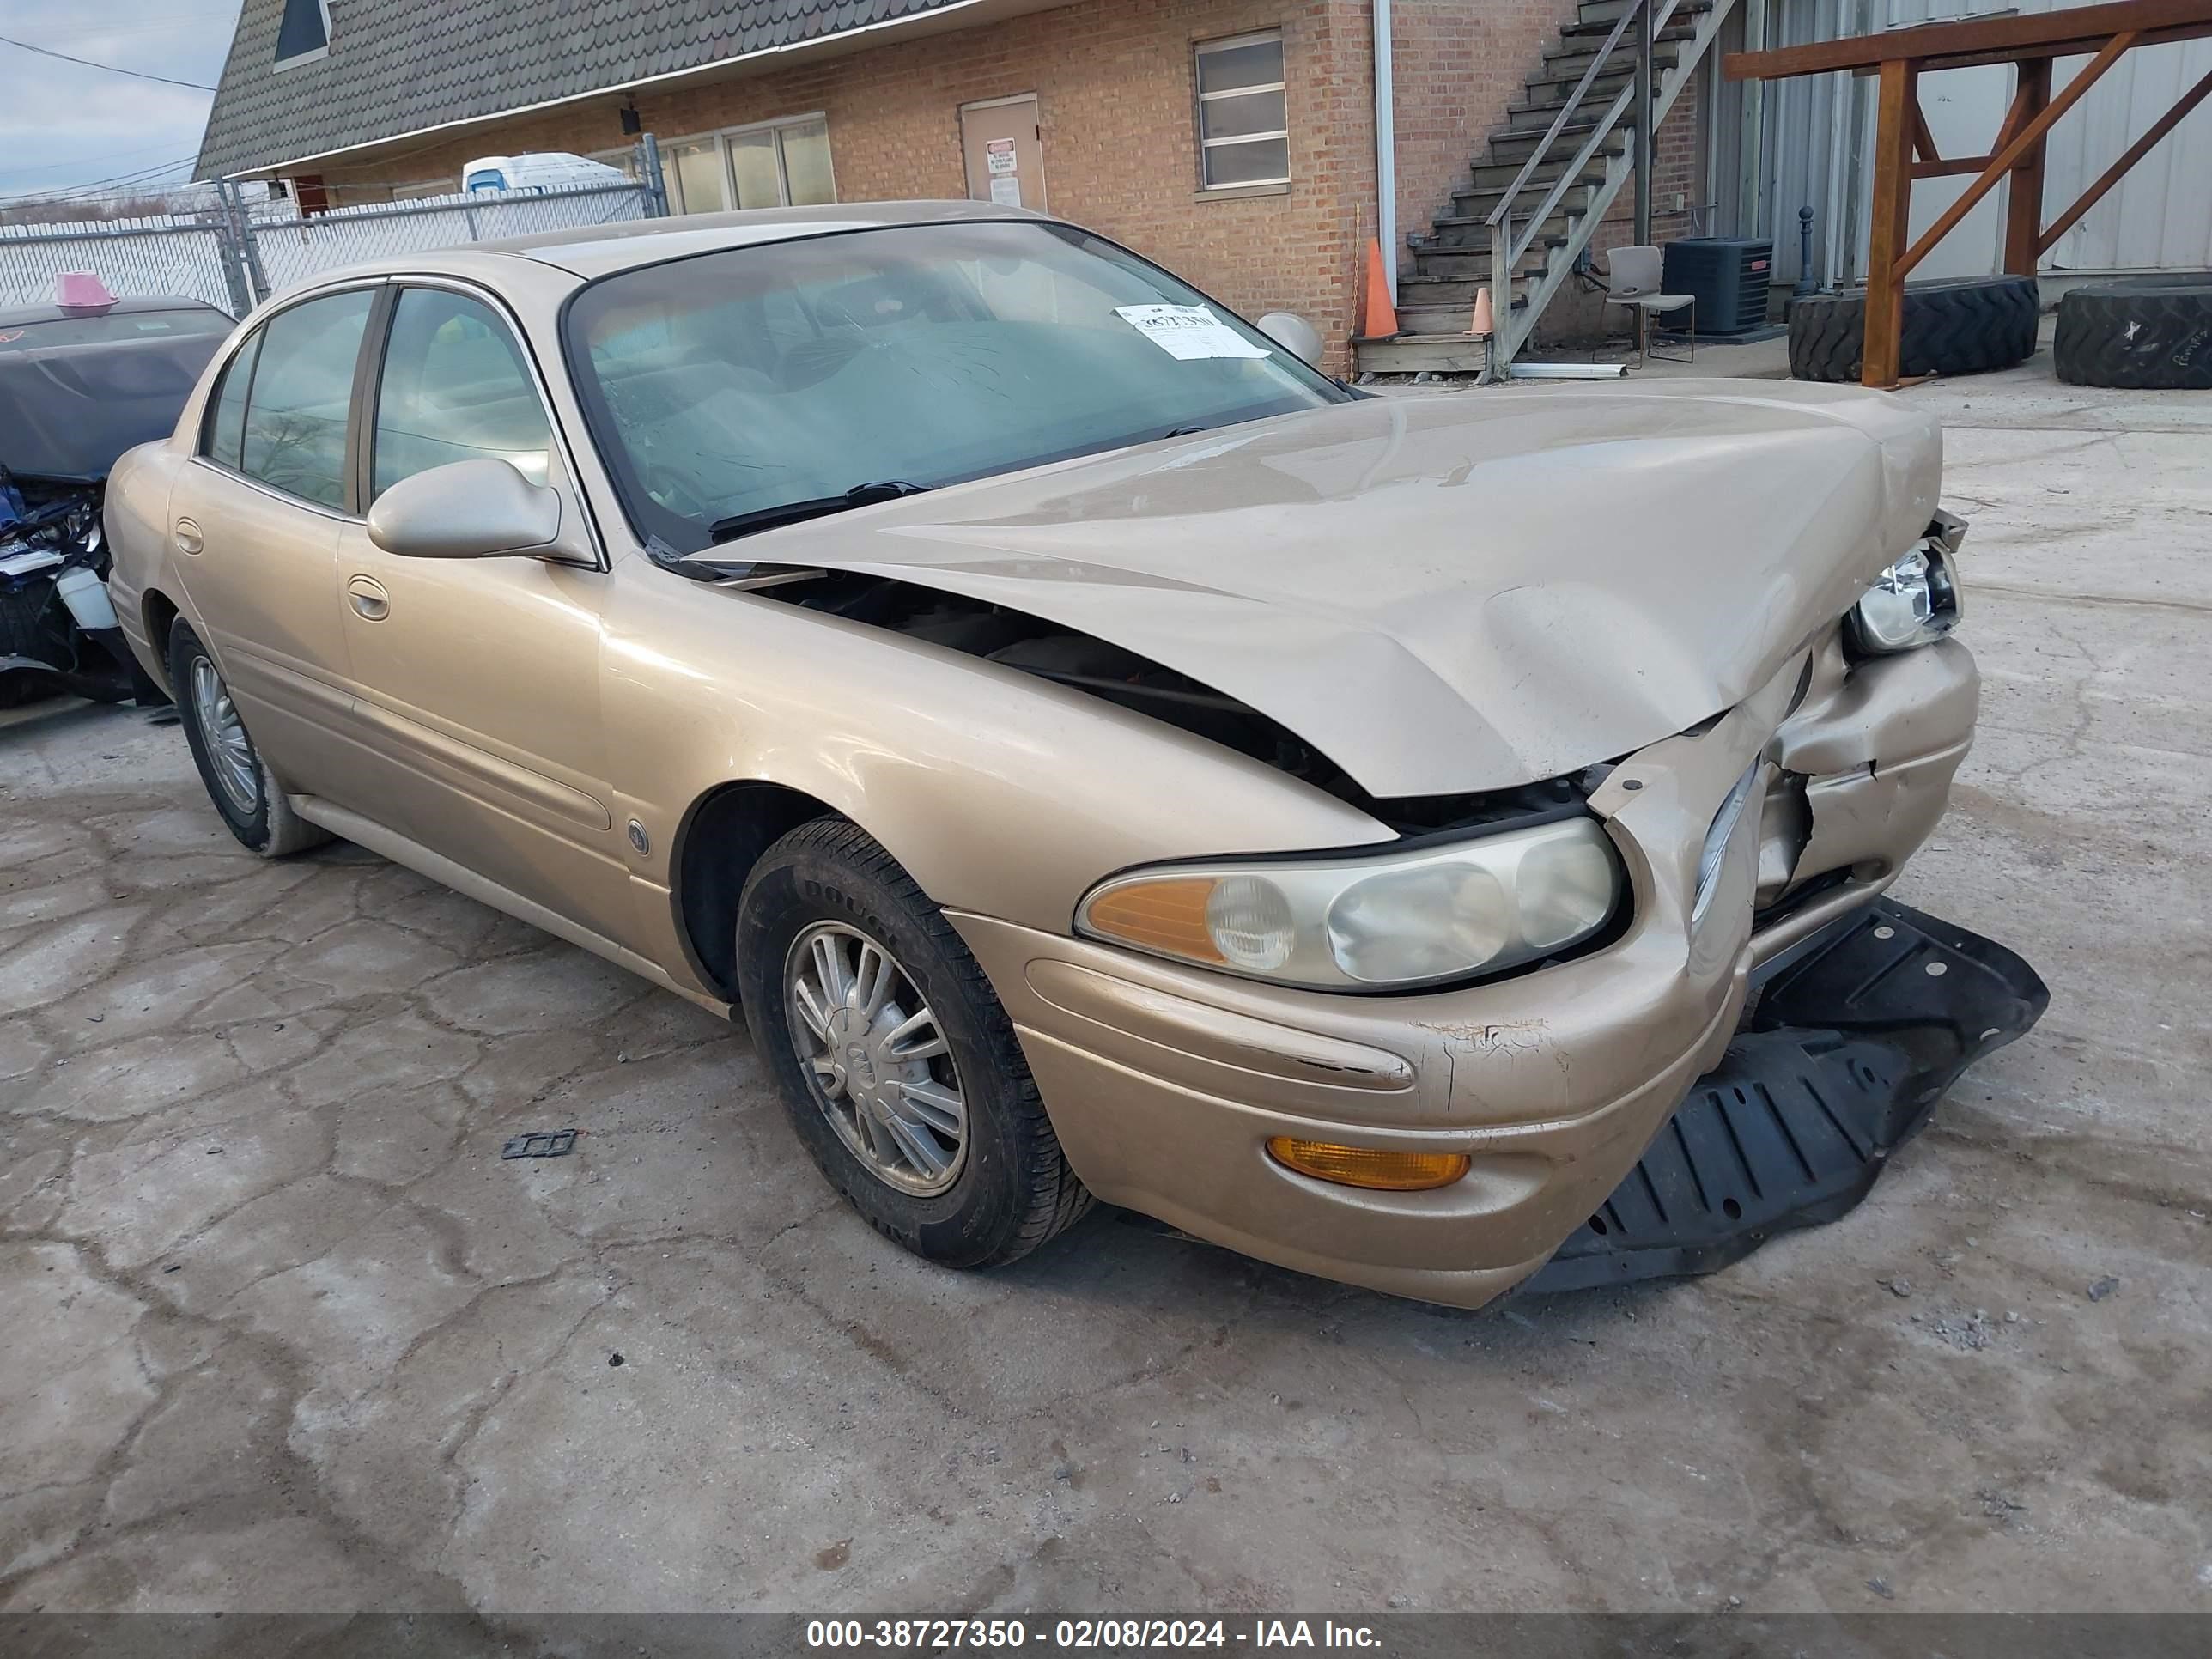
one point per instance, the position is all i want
(1378, 318)
(1485, 324)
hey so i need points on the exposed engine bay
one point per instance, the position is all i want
(81, 381)
(58, 626)
(1052, 651)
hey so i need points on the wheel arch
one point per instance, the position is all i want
(159, 613)
(719, 840)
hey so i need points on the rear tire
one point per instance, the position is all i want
(1006, 1188)
(32, 625)
(2144, 333)
(1954, 325)
(245, 791)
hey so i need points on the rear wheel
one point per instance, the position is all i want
(32, 627)
(239, 783)
(895, 1061)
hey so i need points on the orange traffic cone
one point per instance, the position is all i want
(1378, 318)
(1485, 324)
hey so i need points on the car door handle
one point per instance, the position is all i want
(187, 536)
(366, 595)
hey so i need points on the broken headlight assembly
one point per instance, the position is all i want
(1915, 601)
(1427, 915)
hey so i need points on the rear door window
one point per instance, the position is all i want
(296, 415)
(225, 427)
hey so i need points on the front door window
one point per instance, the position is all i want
(454, 389)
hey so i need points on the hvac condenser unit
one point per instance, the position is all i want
(1729, 274)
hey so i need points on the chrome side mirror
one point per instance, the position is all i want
(1294, 334)
(475, 509)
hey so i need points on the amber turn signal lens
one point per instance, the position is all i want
(1167, 915)
(1369, 1166)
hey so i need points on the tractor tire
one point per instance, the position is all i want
(2146, 333)
(1954, 325)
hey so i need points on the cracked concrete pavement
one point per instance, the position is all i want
(284, 1332)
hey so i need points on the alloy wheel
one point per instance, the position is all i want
(876, 1058)
(230, 751)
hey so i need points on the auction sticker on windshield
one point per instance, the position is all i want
(1187, 331)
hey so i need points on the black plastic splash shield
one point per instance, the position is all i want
(1848, 1040)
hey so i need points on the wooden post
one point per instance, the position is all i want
(2024, 207)
(1893, 206)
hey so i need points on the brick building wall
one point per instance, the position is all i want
(1457, 64)
(1113, 82)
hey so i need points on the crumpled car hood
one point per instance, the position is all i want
(1448, 595)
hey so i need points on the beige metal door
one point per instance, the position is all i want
(255, 518)
(477, 681)
(1004, 150)
(261, 572)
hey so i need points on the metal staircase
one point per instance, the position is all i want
(1537, 196)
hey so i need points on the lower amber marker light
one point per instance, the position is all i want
(1369, 1166)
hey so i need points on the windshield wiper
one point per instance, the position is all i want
(768, 517)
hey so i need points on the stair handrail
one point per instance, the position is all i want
(1505, 253)
(1498, 214)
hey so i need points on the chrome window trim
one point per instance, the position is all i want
(273, 493)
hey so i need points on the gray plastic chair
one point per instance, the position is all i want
(1632, 279)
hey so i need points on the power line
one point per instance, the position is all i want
(48, 52)
(146, 177)
(105, 155)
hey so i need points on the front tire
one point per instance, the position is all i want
(239, 781)
(895, 1061)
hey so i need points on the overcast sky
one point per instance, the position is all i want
(64, 127)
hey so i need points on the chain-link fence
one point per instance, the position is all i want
(289, 251)
(238, 258)
(136, 257)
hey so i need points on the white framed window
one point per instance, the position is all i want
(783, 163)
(303, 32)
(1243, 121)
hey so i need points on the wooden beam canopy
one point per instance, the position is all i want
(1905, 149)
(2073, 32)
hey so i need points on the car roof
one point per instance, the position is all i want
(54, 313)
(592, 251)
(589, 251)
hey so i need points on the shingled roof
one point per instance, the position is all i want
(399, 68)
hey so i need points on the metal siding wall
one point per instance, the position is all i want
(2160, 217)
(1797, 154)
(1819, 142)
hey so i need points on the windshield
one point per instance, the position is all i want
(113, 326)
(748, 380)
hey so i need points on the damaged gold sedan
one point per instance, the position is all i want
(1437, 844)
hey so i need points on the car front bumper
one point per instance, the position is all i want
(1165, 1083)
